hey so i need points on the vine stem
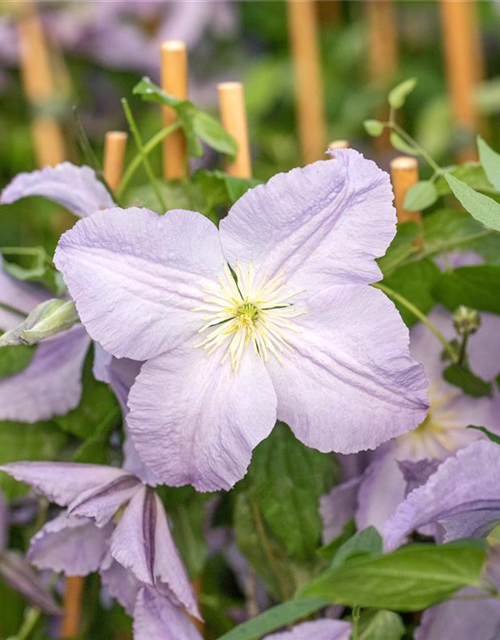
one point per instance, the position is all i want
(406, 136)
(30, 621)
(146, 149)
(142, 155)
(421, 316)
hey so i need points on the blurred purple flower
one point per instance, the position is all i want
(116, 525)
(328, 354)
(51, 383)
(461, 499)
(319, 630)
(443, 431)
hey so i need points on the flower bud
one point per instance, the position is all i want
(466, 321)
(44, 321)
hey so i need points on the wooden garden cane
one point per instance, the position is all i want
(234, 119)
(114, 151)
(303, 31)
(174, 80)
(39, 85)
(464, 63)
(404, 174)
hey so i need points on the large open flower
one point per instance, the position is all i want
(268, 317)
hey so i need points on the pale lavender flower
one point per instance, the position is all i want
(116, 525)
(444, 430)
(319, 630)
(300, 336)
(51, 383)
(460, 500)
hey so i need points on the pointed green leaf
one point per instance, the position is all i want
(401, 145)
(478, 205)
(397, 97)
(421, 195)
(491, 162)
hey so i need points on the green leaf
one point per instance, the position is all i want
(409, 579)
(469, 382)
(366, 542)
(421, 195)
(472, 173)
(280, 573)
(14, 359)
(381, 625)
(178, 194)
(475, 287)
(449, 229)
(401, 247)
(491, 162)
(329, 550)
(491, 436)
(415, 282)
(397, 97)
(282, 466)
(401, 145)
(275, 618)
(195, 122)
(98, 408)
(482, 208)
(374, 128)
(19, 441)
(32, 264)
(213, 133)
(187, 510)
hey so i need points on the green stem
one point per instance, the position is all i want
(140, 147)
(31, 619)
(463, 349)
(420, 149)
(147, 148)
(356, 615)
(422, 317)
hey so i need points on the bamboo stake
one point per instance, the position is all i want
(382, 39)
(39, 85)
(338, 144)
(464, 63)
(234, 119)
(303, 31)
(404, 173)
(115, 143)
(174, 80)
(70, 625)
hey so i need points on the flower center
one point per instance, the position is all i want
(241, 311)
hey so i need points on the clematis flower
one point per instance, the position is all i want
(319, 630)
(270, 317)
(443, 431)
(461, 498)
(116, 525)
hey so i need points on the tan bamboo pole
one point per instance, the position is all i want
(383, 49)
(303, 32)
(464, 63)
(39, 85)
(115, 143)
(72, 606)
(174, 80)
(338, 144)
(404, 174)
(234, 119)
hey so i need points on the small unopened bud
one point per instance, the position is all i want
(45, 320)
(466, 321)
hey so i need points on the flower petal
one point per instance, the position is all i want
(338, 507)
(72, 545)
(142, 543)
(52, 382)
(350, 383)
(75, 188)
(319, 630)
(462, 496)
(196, 422)
(101, 503)
(136, 277)
(121, 584)
(21, 296)
(324, 224)
(461, 619)
(156, 618)
(62, 482)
